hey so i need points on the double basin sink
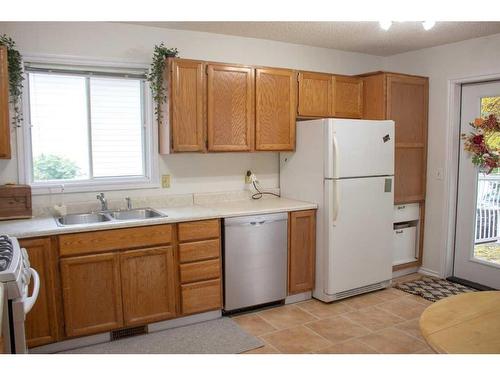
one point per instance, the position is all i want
(106, 216)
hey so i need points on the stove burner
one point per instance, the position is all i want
(6, 252)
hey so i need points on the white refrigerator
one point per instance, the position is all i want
(347, 168)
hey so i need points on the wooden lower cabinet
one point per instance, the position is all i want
(42, 322)
(148, 280)
(201, 296)
(92, 295)
(301, 251)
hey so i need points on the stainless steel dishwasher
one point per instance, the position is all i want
(255, 260)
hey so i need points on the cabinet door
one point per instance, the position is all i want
(91, 294)
(407, 105)
(275, 109)
(42, 321)
(4, 105)
(149, 285)
(301, 251)
(315, 94)
(347, 97)
(230, 108)
(187, 105)
(409, 175)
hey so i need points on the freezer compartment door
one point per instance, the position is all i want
(358, 148)
(360, 232)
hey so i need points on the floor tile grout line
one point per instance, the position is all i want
(323, 337)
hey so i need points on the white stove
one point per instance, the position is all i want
(16, 274)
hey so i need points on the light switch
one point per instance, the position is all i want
(165, 181)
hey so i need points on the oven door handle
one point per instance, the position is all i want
(30, 301)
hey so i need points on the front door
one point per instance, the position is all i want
(477, 237)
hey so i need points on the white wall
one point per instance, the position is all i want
(122, 42)
(471, 58)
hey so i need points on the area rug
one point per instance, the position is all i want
(220, 336)
(432, 288)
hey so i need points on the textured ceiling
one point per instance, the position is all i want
(365, 37)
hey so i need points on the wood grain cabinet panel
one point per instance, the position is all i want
(275, 109)
(347, 97)
(230, 108)
(5, 151)
(148, 281)
(114, 239)
(198, 230)
(187, 98)
(91, 294)
(197, 271)
(407, 106)
(201, 250)
(301, 251)
(315, 94)
(409, 182)
(201, 296)
(42, 322)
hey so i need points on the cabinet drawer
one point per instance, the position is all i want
(406, 212)
(405, 245)
(194, 251)
(199, 230)
(208, 269)
(114, 239)
(201, 296)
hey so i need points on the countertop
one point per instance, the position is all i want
(44, 226)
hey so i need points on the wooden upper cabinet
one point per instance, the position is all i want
(347, 97)
(187, 85)
(230, 108)
(315, 94)
(148, 285)
(5, 152)
(407, 106)
(374, 97)
(275, 109)
(91, 294)
(42, 322)
(301, 251)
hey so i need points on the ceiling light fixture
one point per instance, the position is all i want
(385, 25)
(428, 25)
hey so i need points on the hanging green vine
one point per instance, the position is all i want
(155, 76)
(16, 77)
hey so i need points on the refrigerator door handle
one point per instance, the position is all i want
(335, 201)
(335, 156)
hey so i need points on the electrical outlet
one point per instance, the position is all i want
(248, 179)
(165, 181)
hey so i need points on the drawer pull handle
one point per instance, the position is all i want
(401, 207)
(399, 231)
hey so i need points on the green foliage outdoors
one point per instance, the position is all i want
(53, 167)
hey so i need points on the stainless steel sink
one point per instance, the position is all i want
(107, 216)
(75, 219)
(136, 214)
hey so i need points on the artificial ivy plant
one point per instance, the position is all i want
(16, 78)
(155, 76)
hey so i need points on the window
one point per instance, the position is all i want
(87, 129)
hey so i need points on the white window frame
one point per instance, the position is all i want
(24, 146)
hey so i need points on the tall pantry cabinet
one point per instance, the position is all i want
(404, 99)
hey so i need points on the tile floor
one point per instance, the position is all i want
(378, 322)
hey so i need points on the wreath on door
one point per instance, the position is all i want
(484, 143)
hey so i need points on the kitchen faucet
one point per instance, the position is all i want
(104, 202)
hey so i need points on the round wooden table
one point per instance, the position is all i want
(465, 323)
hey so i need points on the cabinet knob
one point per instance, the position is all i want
(401, 207)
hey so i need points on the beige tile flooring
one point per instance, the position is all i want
(379, 322)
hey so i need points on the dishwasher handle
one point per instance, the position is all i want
(256, 220)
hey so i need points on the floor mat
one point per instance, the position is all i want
(432, 288)
(220, 336)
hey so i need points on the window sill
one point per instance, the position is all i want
(93, 186)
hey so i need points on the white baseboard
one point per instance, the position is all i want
(298, 297)
(428, 272)
(404, 272)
